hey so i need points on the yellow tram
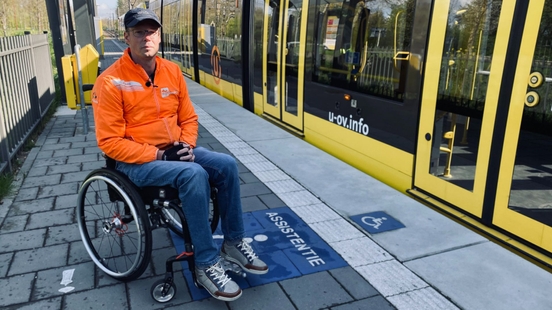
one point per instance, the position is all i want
(447, 101)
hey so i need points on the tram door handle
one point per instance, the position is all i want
(400, 56)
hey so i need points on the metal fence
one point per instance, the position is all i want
(27, 90)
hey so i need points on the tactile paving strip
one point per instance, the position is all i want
(271, 175)
(361, 251)
(284, 186)
(391, 277)
(336, 230)
(316, 213)
(426, 298)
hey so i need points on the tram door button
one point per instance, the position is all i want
(428, 136)
(532, 98)
(536, 79)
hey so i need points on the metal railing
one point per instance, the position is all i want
(27, 90)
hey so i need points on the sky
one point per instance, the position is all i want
(106, 8)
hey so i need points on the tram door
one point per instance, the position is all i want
(284, 32)
(466, 49)
(524, 191)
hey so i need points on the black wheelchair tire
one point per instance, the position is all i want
(128, 234)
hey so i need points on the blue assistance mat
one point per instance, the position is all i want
(283, 241)
(376, 222)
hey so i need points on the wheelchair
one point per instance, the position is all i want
(116, 219)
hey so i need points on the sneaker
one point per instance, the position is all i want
(243, 255)
(215, 280)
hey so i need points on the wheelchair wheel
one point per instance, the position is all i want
(172, 217)
(114, 224)
(163, 291)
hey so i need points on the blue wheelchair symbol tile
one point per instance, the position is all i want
(283, 241)
(250, 222)
(376, 222)
(280, 268)
(281, 218)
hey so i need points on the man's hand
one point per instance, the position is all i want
(179, 152)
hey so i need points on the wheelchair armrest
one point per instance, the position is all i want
(87, 87)
(109, 162)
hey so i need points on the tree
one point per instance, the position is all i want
(124, 5)
(17, 16)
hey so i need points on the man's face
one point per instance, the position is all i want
(143, 40)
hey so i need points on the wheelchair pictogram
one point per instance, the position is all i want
(373, 221)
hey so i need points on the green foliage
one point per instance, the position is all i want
(6, 187)
(17, 16)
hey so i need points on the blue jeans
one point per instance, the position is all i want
(193, 183)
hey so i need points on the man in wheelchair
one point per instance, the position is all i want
(145, 121)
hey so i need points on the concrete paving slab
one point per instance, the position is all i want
(65, 201)
(376, 302)
(48, 282)
(40, 258)
(25, 240)
(265, 296)
(62, 234)
(14, 224)
(57, 190)
(353, 283)
(53, 179)
(37, 205)
(5, 260)
(51, 218)
(48, 304)
(109, 297)
(426, 298)
(486, 276)
(315, 291)
(16, 289)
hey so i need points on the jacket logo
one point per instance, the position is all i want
(127, 85)
(165, 92)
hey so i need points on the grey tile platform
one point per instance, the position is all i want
(432, 263)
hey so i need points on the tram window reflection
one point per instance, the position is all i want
(359, 45)
(220, 35)
(531, 189)
(462, 90)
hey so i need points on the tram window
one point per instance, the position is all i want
(531, 187)
(363, 46)
(258, 22)
(466, 64)
(463, 80)
(220, 38)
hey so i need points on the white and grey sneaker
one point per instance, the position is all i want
(243, 255)
(215, 280)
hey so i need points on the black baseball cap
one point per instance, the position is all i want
(136, 15)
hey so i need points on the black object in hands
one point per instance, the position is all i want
(170, 154)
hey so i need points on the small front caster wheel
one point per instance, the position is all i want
(163, 291)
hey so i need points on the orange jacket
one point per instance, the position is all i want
(134, 120)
